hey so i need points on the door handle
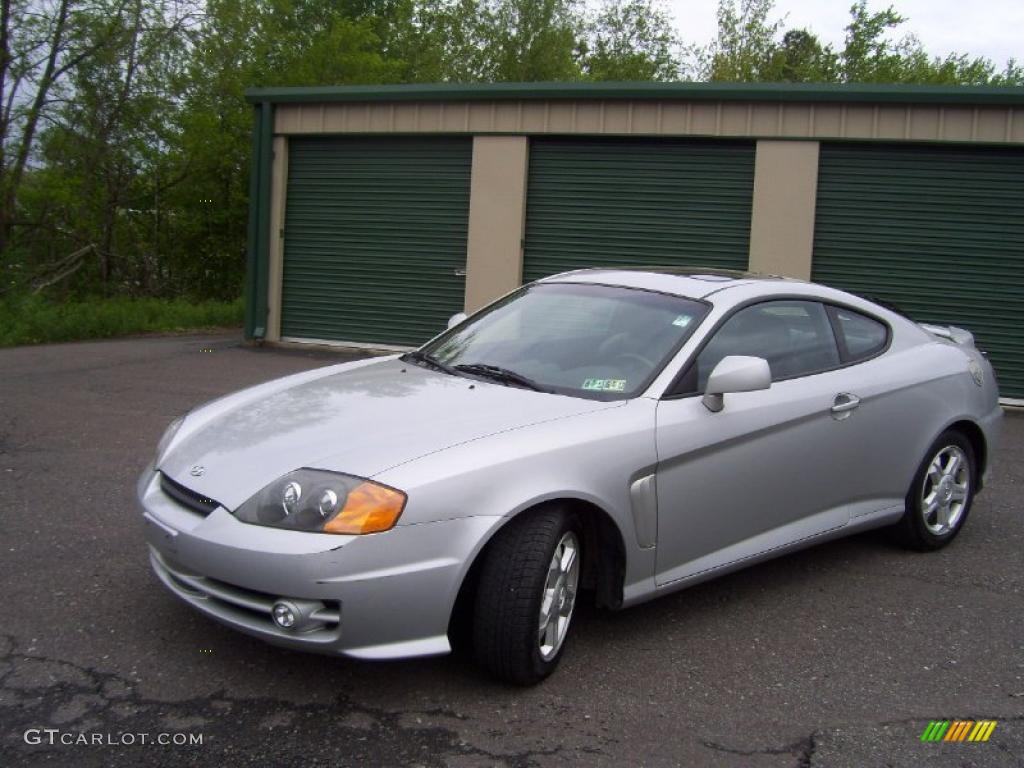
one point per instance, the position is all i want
(460, 272)
(843, 405)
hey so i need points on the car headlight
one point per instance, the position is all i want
(326, 502)
(169, 433)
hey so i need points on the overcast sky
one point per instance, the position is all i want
(993, 29)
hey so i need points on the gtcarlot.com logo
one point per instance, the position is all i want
(56, 737)
(958, 730)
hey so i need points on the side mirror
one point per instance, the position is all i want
(455, 319)
(735, 373)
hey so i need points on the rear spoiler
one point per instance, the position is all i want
(951, 333)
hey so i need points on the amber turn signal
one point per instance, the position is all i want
(369, 508)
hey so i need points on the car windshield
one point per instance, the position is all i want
(594, 341)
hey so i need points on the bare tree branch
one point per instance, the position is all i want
(65, 268)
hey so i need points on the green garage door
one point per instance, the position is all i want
(937, 231)
(375, 238)
(609, 202)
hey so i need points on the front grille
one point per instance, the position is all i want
(187, 497)
(247, 606)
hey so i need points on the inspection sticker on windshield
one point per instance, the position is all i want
(682, 321)
(605, 385)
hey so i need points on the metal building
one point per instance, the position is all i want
(377, 212)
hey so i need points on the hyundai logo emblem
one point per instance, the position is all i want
(197, 470)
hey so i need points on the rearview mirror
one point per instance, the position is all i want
(455, 319)
(735, 373)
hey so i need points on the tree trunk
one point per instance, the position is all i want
(5, 64)
(10, 189)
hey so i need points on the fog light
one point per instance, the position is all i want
(284, 615)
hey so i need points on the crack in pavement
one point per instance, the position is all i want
(802, 749)
(37, 692)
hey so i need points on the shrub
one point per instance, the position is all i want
(34, 320)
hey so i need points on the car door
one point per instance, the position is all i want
(888, 414)
(772, 467)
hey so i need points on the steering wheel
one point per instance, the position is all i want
(609, 344)
(635, 358)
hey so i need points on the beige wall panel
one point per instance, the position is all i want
(350, 119)
(347, 118)
(703, 119)
(616, 117)
(534, 117)
(957, 123)
(379, 118)
(560, 117)
(1016, 120)
(585, 118)
(497, 212)
(828, 121)
(925, 123)
(507, 116)
(860, 121)
(645, 117)
(675, 118)
(275, 267)
(286, 120)
(796, 120)
(668, 118)
(991, 125)
(428, 118)
(891, 123)
(764, 120)
(311, 117)
(335, 120)
(406, 116)
(735, 120)
(451, 117)
(482, 117)
(782, 222)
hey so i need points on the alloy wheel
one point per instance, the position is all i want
(559, 596)
(945, 490)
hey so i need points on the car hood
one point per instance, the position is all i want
(361, 418)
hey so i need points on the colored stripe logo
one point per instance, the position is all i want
(958, 730)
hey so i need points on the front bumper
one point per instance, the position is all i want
(378, 596)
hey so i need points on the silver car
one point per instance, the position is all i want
(616, 433)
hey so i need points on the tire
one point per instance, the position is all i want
(517, 580)
(940, 497)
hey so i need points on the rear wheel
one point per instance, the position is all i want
(526, 596)
(940, 497)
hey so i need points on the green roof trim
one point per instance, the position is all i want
(762, 92)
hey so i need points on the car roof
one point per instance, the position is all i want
(724, 288)
(690, 282)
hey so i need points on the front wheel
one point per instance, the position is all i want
(526, 596)
(940, 496)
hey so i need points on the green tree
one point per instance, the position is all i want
(753, 46)
(631, 40)
(529, 40)
(746, 48)
(124, 126)
(802, 58)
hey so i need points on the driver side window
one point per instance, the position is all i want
(795, 337)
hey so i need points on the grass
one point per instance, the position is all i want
(33, 320)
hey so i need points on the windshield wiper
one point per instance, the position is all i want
(497, 373)
(418, 356)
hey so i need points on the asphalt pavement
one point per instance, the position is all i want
(838, 655)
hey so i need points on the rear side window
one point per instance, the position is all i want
(795, 337)
(860, 336)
